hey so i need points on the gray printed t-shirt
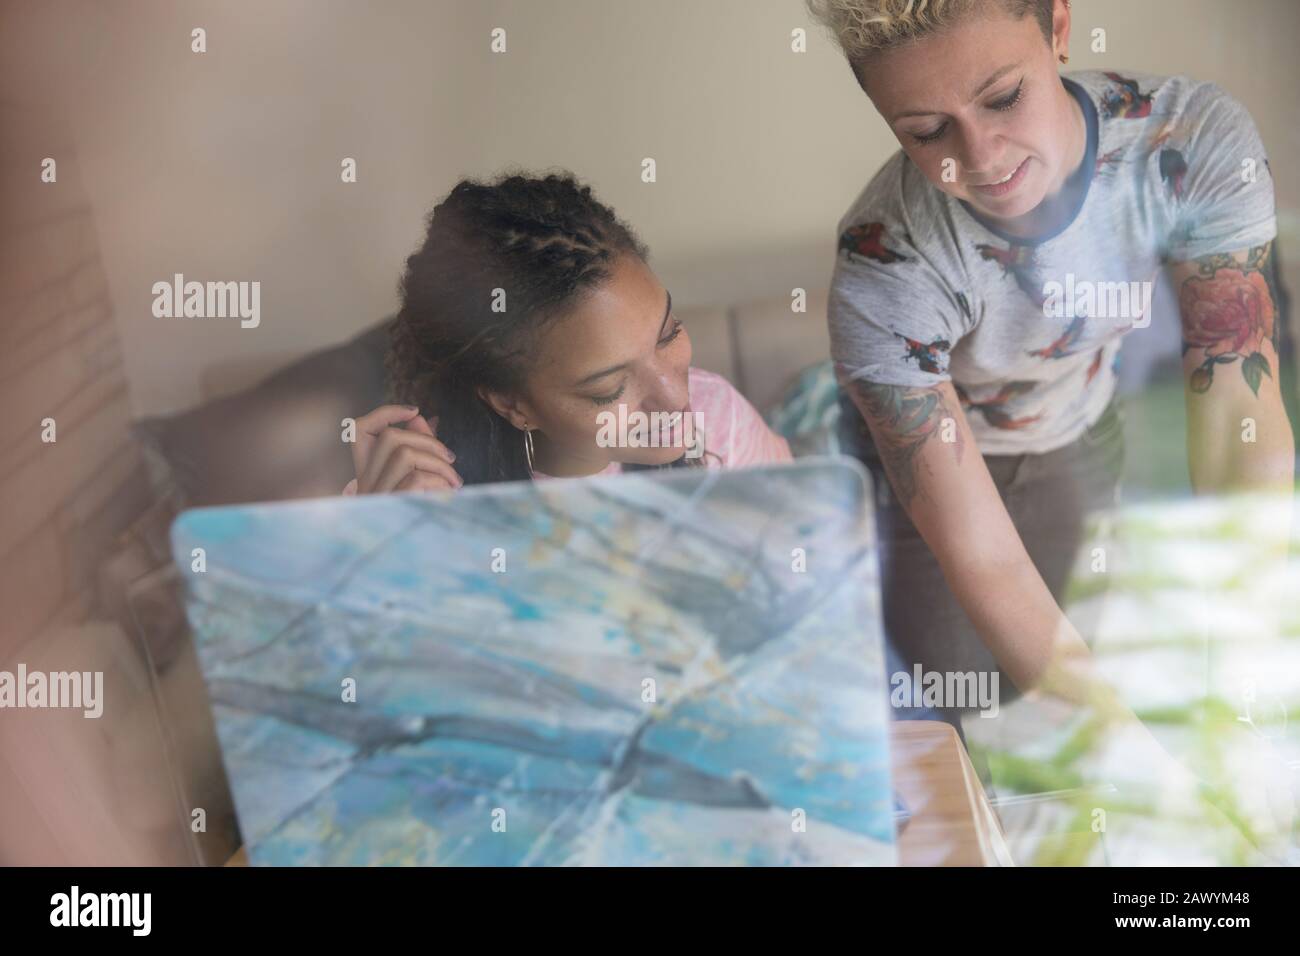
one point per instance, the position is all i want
(1029, 330)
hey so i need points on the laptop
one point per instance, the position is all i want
(677, 667)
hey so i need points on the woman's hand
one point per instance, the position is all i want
(397, 450)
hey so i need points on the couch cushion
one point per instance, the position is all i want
(279, 439)
(774, 344)
(711, 341)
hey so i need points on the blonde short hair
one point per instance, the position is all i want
(866, 28)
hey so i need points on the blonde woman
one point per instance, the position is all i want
(976, 319)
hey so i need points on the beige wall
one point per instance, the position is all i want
(225, 166)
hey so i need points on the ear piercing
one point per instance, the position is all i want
(1065, 57)
(528, 446)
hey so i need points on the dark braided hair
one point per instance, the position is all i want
(546, 242)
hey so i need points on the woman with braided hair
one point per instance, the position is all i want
(529, 321)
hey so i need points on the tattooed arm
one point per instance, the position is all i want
(902, 419)
(1238, 433)
(942, 482)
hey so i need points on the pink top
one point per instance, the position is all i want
(735, 435)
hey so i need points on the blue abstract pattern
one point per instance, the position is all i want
(674, 668)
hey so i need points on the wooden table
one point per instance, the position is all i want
(952, 823)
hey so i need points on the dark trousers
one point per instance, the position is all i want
(1048, 497)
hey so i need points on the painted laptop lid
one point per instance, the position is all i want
(680, 667)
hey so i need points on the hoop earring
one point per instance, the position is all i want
(528, 448)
